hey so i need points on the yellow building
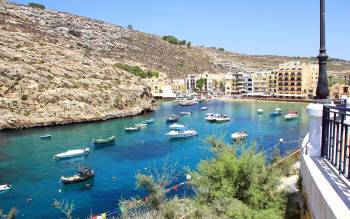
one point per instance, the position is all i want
(178, 86)
(157, 84)
(234, 83)
(260, 82)
(339, 90)
(296, 80)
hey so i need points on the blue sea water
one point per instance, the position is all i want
(26, 161)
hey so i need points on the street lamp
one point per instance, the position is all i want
(322, 91)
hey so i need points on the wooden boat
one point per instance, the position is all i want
(173, 118)
(185, 113)
(132, 129)
(82, 175)
(291, 116)
(148, 121)
(5, 187)
(260, 111)
(277, 113)
(45, 137)
(72, 153)
(239, 135)
(204, 108)
(176, 126)
(181, 133)
(101, 141)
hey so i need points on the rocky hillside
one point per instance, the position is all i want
(58, 68)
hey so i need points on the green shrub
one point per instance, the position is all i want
(221, 49)
(24, 97)
(137, 71)
(36, 5)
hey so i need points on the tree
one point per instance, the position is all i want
(221, 49)
(130, 27)
(200, 83)
(189, 44)
(36, 5)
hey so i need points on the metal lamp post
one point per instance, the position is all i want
(322, 91)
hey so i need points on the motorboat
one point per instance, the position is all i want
(141, 125)
(222, 118)
(291, 116)
(181, 133)
(82, 175)
(102, 141)
(72, 153)
(45, 137)
(210, 117)
(148, 121)
(278, 110)
(204, 108)
(173, 118)
(187, 102)
(176, 126)
(239, 135)
(260, 111)
(276, 113)
(185, 113)
(131, 129)
(5, 187)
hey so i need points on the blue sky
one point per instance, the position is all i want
(276, 27)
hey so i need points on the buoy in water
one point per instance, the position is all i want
(59, 190)
(188, 177)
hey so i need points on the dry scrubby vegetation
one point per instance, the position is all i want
(226, 186)
(137, 71)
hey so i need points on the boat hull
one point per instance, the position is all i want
(58, 157)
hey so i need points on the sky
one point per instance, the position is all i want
(255, 27)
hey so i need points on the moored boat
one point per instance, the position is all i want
(277, 113)
(291, 116)
(72, 153)
(148, 121)
(176, 126)
(210, 117)
(101, 141)
(204, 108)
(239, 135)
(278, 110)
(45, 137)
(181, 133)
(5, 187)
(173, 118)
(131, 129)
(141, 125)
(222, 118)
(82, 175)
(185, 113)
(260, 111)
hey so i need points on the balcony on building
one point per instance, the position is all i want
(325, 161)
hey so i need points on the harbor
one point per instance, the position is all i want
(27, 159)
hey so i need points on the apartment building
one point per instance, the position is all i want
(156, 84)
(260, 82)
(191, 82)
(234, 83)
(214, 82)
(178, 85)
(339, 90)
(248, 83)
(296, 80)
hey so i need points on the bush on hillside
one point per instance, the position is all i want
(36, 5)
(137, 71)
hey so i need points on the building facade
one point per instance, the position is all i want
(260, 82)
(234, 83)
(339, 90)
(296, 80)
(191, 82)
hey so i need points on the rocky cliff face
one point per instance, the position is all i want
(48, 76)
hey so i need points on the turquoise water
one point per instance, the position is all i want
(26, 161)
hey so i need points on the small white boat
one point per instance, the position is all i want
(176, 126)
(181, 133)
(260, 111)
(148, 121)
(222, 118)
(239, 135)
(204, 108)
(291, 116)
(210, 117)
(72, 153)
(185, 113)
(130, 129)
(278, 109)
(5, 187)
(45, 137)
(209, 114)
(141, 125)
